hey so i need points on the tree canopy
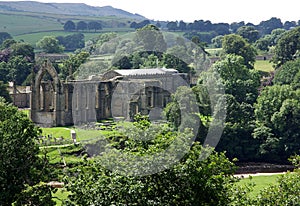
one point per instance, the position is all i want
(20, 164)
(50, 44)
(235, 44)
(287, 47)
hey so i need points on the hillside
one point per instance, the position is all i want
(66, 9)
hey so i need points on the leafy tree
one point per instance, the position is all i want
(221, 28)
(276, 34)
(264, 43)
(266, 27)
(140, 24)
(81, 25)
(277, 113)
(19, 68)
(20, 162)
(249, 33)
(16, 62)
(239, 81)
(72, 64)
(23, 49)
(182, 26)
(203, 36)
(4, 72)
(72, 42)
(170, 61)
(151, 39)
(287, 47)
(190, 182)
(94, 25)
(235, 44)
(4, 36)
(217, 41)
(50, 44)
(172, 26)
(39, 194)
(286, 73)
(289, 25)
(133, 25)
(69, 26)
(4, 92)
(241, 88)
(235, 25)
(7, 43)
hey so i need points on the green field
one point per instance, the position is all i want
(57, 132)
(31, 27)
(20, 24)
(32, 38)
(263, 65)
(260, 182)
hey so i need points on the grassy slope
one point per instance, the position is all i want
(16, 24)
(31, 27)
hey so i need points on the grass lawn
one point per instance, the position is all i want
(57, 132)
(260, 182)
(263, 65)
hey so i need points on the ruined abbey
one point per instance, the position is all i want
(114, 94)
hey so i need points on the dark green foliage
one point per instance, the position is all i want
(50, 44)
(4, 36)
(235, 44)
(16, 62)
(20, 163)
(278, 117)
(19, 69)
(81, 25)
(23, 49)
(249, 33)
(140, 24)
(69, 26)
(203, 36)
(287, 73)
(239, 81)
(72, 42)
(151, 39)
(190, 182)
(94, 25)
(71, 65)
(4, 92)
(39, 194)
(266, 27)
(287, 47)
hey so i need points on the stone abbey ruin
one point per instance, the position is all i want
(114, 94)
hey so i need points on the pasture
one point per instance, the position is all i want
(259, 182)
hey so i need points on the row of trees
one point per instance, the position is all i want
(82, 26)
(264, 27)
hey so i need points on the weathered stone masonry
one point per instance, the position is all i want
(118, 93)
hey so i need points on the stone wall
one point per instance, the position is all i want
(21, 100)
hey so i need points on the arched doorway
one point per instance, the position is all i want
(45, 96)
